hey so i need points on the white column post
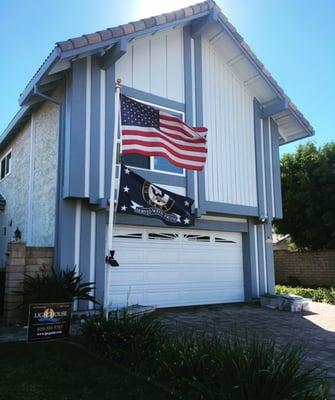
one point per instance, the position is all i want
(112, 192)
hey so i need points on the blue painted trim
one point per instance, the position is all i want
(106, 43)
(227, 208)
(44, 69)
(188, 89)
(152, 98)
(269, 259)
(201, 224)
(67, 136)
(199, 118)
(276, 171)
(100, 253)
(258, 156)
(95, 131)
(261, 259)
(76, 183)
(252, 258)
(247, 279)
(113, 54)
(109, 126)
(278, 106)
(268, 168)
(66, 233)
(200, 26)
(60, 181)
(85, 247)
(19, 119)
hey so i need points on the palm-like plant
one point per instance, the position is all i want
(57, 286)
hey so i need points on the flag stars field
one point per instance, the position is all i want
(126, 189)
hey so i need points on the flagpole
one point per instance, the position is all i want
(112, 192)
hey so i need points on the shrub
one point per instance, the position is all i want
(56, 287)
(132, 340)
(236, 368)
(320, 294)
(207, 367)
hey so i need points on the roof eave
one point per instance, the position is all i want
(52, 59)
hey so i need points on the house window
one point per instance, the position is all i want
(5, 165)
(128, 236)
(163, 236)
(197, 238)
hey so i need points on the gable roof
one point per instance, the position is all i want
(103, 40)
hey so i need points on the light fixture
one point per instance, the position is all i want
(110, 259)
(17, 234)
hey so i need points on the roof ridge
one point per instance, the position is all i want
(137, 26)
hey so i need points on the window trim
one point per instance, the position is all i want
(151, 158)
(10, 166)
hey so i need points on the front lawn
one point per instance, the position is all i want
(320, 294)
(58, 370)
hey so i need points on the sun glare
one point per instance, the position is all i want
(153, 7)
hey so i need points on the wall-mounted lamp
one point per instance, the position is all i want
(110, 259)
(17, 234)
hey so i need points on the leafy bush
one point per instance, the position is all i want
(320, 294)
(211, 368)
(234, 368)
(132, 340)
(56, 287)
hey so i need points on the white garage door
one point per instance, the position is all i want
(167, 267)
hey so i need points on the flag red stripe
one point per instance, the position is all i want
(125, 133)
(161, 144)
(165, 155)
(153, 132)
(177, 129)
(175, 119)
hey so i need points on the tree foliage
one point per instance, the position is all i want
(308, 185)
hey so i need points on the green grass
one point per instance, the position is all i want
(320, 294)
(61, 371)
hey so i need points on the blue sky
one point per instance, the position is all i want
(295, 39)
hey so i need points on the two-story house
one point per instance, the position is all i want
(56, 160)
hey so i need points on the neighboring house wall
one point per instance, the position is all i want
(310, 268)
(30, 189)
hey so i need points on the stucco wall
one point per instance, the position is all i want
(45, 176)
(30, 189)
(14, 188)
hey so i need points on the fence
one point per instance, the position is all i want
(307, 268)
(21, 261)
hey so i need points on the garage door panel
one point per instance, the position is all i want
(178, 270)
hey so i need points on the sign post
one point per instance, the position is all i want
(48, 321)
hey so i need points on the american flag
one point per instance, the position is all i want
(151, 132)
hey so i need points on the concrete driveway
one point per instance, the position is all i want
(315, 330)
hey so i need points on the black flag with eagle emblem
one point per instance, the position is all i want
(140, 197)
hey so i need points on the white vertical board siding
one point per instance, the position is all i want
(155, 64)
(228, 114)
